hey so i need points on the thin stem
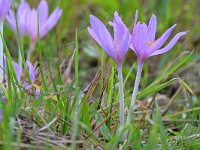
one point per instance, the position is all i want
(19, 53)
(30, 50)
(1, 51)
(135, 90)
(121, 91)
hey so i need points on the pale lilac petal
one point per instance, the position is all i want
(21, 17)
(17, 70)
(93, 35)
(11, 20)
(125, 43)
(37, 94)
(134, 39)
(170, 45)
(51, 22)
(22, 8)
(43, 10)
(31, 70)
(96, 24)
(32, 25)
(119, 27)
(159, 42)
(142, 40)
(107, 42)
(152, 27)
(4, 8)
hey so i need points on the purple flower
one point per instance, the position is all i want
(144, 45)
(30, 71)
(21, 16)
(4, 8)
(143, 41)
(116, 47)
(46, 23)
(25, 84)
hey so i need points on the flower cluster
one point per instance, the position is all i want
(30, 20)
(142, 42)
(25, 83)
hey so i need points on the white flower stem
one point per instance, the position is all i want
(30, 50)
(1, 51)
(121, 91)
(135, 90)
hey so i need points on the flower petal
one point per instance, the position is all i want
(43, 10)
(124, 44)
(93, 35)
(4, 8)
(169, 45)
(11, 20)
(17, 70)
(142, 40)
(107, 42)
(31, 70)
(134, 40)
(119, 27)
(96, 24)
(159, 42)
(51, 22)
(32, 25)
(152, 27)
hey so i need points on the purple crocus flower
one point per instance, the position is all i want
(144, 45)
(25, 84)
(21, 16)
(116, 47)
(143, 39)
(46, 23)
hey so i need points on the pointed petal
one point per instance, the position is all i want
(43, 10)
(119, 27)
(142, 40)
(4, 8)
(159, 42)
(11, 20)
(22, 17)
(31, 70)
(96, 24)
(124, 45)
(32, 25)
(17, 70)
(51, 22)
(107, 42)
(134, 39)
(152, 27)
(93, 35)
(170, 45)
